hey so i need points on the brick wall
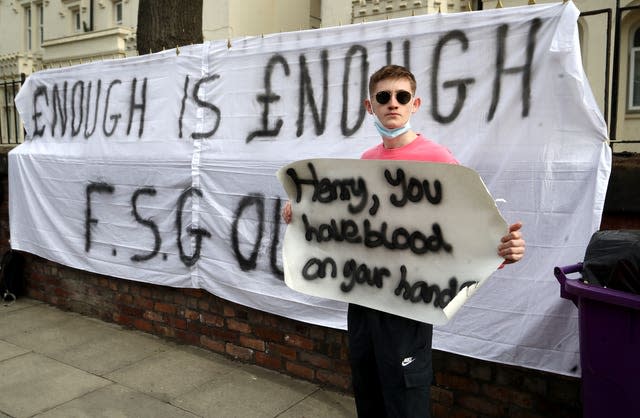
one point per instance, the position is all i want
(198, 318)
(464, 387)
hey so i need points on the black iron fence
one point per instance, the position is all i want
(11, 131)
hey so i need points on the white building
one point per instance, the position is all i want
(37, 34)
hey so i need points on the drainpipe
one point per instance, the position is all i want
(613, 131)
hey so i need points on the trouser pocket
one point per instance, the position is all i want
(417, 369)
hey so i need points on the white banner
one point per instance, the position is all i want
(161, 168)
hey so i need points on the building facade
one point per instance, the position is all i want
(39, 34)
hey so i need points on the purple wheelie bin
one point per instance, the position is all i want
(609, 346)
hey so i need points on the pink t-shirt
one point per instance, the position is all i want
(420, 149)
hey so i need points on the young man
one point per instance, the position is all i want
(390, 356)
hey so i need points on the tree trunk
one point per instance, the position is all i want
(166, 24)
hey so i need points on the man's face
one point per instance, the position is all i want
(394, 113)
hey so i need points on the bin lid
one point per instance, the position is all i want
(594, 292)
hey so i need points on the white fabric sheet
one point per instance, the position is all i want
(161, 168)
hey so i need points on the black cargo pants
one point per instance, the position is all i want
(390, 360)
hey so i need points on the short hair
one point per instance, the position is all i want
(392, 71)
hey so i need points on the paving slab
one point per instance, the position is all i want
(114, 350)
(32, 383)
(116, 401)
(60, 336)
(323, 404)
(18, 304)
(248, 391)
(8, 350)
(171, 373)
(24, 318)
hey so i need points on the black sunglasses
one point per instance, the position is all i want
(402, 96)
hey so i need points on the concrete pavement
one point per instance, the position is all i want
(61, 364)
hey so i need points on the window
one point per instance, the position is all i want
(634, 70)
(40, 24)
(27, 15)
(117, 12)
(77, 20)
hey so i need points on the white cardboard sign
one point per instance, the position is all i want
(414, 239)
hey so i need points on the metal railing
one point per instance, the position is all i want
(11, 130)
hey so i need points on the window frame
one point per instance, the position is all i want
(28, 27)
(118, 7)
(76, 20)
(40, 9)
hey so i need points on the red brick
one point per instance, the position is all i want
(203, 305)
(242, 314)
(164, 331)
(144, 303)
(195, 293)
(564, 389)
(234, 325)
(252, 343)
(165, 307)
(302, 329)
(299, 341)
(316, 360)
(143, 325)
(504, 394)
(342, 366)
(186, 337)
(334, 379)
(228, 311)
(195, 326)
(242, 353)
(256, 317)
(481, 372)
(269, 334)
(153, 316)
(442, 396)
(482, 405)
(524, 400)
(456, 364)
(461, 383)
(299, 370)
(192, 315)
(179, 300)
(440, 411)
(211, 344)
(214, 320)
(124, 298)
(318, 333)
(178, 323)
(124, 320)
(284, 351)
(61, 292)
(268, 361)
(223, 334)
(131, 311)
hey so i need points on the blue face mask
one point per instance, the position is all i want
(390, 133)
